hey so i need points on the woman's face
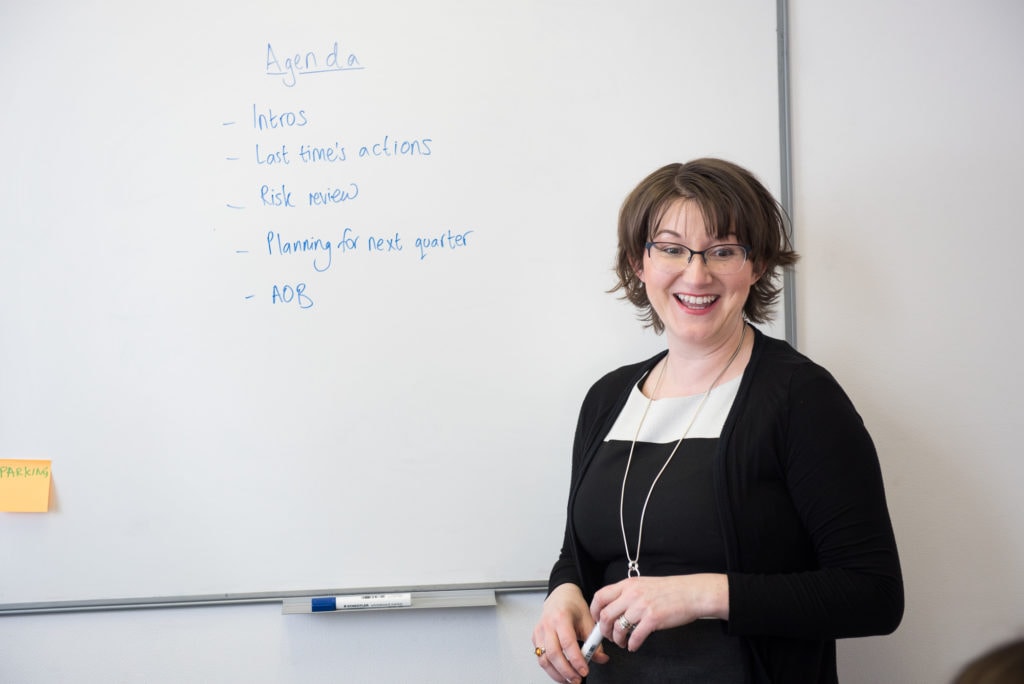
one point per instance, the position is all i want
(698, 307)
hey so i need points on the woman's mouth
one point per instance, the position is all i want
(696, 303)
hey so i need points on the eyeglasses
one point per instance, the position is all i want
(671, 257)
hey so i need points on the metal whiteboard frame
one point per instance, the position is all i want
(427, 596)
(786, 163)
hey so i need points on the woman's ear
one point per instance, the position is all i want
(758, 272)
(638, 270)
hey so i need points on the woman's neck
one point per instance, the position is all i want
(692, 369)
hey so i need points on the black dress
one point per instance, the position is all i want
(681, 531)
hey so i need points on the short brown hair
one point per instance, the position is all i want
(732, 201)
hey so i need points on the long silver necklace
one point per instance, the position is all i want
(633, 562)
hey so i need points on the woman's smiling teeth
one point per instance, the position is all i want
(691, 302)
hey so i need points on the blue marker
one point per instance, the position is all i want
(328, 603)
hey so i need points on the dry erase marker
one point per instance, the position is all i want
(592, 642)
(330, 603)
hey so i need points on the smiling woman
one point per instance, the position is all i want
(697, 302)
(774, 474)
(729, 203)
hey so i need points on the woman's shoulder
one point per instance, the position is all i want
(779, 357)
(779, 369)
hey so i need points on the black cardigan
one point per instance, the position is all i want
(810, 550)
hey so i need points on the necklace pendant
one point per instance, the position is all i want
(633, 568)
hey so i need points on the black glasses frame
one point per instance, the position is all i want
(702, 253)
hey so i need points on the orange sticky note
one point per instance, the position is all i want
(24, 485)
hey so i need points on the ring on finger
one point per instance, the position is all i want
(539, 651)
(625, 624)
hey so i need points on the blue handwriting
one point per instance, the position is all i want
(445, 240)
(270, 120)
(286, 294)
(309, 63)
(323, 249)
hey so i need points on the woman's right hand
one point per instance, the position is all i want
(564, 622)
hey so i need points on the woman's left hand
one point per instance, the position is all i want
(630, 610)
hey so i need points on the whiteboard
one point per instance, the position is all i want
(305, 295)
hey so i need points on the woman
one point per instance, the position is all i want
(726, 519)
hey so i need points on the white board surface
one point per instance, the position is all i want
(226, 413)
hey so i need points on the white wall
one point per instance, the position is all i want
(908, 158)
(907, 168)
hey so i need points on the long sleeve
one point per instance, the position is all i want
(816, 556)
(810, 550)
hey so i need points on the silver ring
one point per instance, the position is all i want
(539, 651)
(626, 624)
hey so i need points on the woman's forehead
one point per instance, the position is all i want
(685, 217)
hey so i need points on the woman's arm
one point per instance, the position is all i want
(851, 584)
